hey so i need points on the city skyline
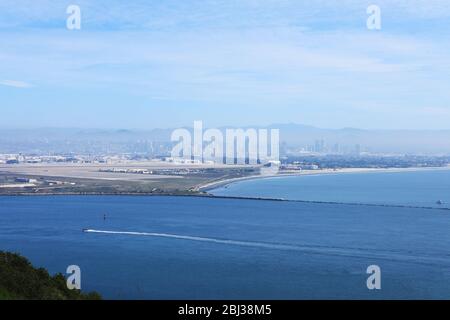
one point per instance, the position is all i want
(296, 137)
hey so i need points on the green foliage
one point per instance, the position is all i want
(20, 280)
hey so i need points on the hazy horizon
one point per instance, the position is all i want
(431, 142)
(206, 126)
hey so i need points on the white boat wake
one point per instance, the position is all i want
(354, 252)
(203, 239)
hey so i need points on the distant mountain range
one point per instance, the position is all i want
(54, 140)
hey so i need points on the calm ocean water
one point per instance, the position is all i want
(204, 248)
(420, 188)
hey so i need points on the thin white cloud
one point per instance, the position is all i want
(15, 84)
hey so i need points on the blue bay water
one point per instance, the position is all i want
(232, 248)
(409, 188)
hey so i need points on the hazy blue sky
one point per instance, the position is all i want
(146, 64)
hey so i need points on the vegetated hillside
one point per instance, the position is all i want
(20, 280)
